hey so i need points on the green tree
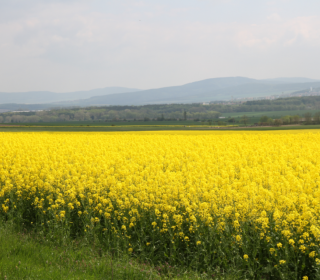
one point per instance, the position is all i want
(296, 118)
(277, 122)
(244, 120)
(264, 119)
(185, 115)
(316, 118)
(270, 121)
(308, 118)
(286, 119)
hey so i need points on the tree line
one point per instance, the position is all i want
(307, 119)
(160, 112)
(115, 113)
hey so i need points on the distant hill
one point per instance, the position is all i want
(190, 92)
(38, 97)
(201, 91)
(292, 80)
(215, 89)
(254, 90)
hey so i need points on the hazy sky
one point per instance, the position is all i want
(67, 45)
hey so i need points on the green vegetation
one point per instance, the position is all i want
(28, 255)
(115, 113)
(293, 111)
(148, 128)
(271, 114)
(111, 123)
(149, 114)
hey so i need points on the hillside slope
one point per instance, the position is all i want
(216, 89)
(37, 97)
(203, 91)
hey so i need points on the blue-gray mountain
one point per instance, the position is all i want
(38, 97)
(201, 91)
(205, 91)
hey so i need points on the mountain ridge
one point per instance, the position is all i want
(214, 89)
(201, 91)
(38, 97)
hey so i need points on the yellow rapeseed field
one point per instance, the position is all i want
(195, 198)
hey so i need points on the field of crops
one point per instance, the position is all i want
(196, 199)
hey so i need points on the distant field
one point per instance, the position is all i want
(109, 123)
(253, 117)
(96, 129)
(149, 128)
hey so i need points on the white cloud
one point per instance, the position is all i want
(301, 30)
(68, 46)
(274, 17)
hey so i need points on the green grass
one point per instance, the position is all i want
(142, 128)
(285, 127)
(28, 256)
(23, 256)
(109, 123)
(253, 117)
(89, 129)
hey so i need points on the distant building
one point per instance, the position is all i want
(205, 103)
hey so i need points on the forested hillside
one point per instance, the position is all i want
(281, 104)
(162, 112)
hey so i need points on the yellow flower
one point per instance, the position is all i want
(312, 254)
(302, 248)
(168, 183)
(246, 257)
(130, 250)
(282, 261)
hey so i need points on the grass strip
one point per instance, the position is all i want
(23, 255)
